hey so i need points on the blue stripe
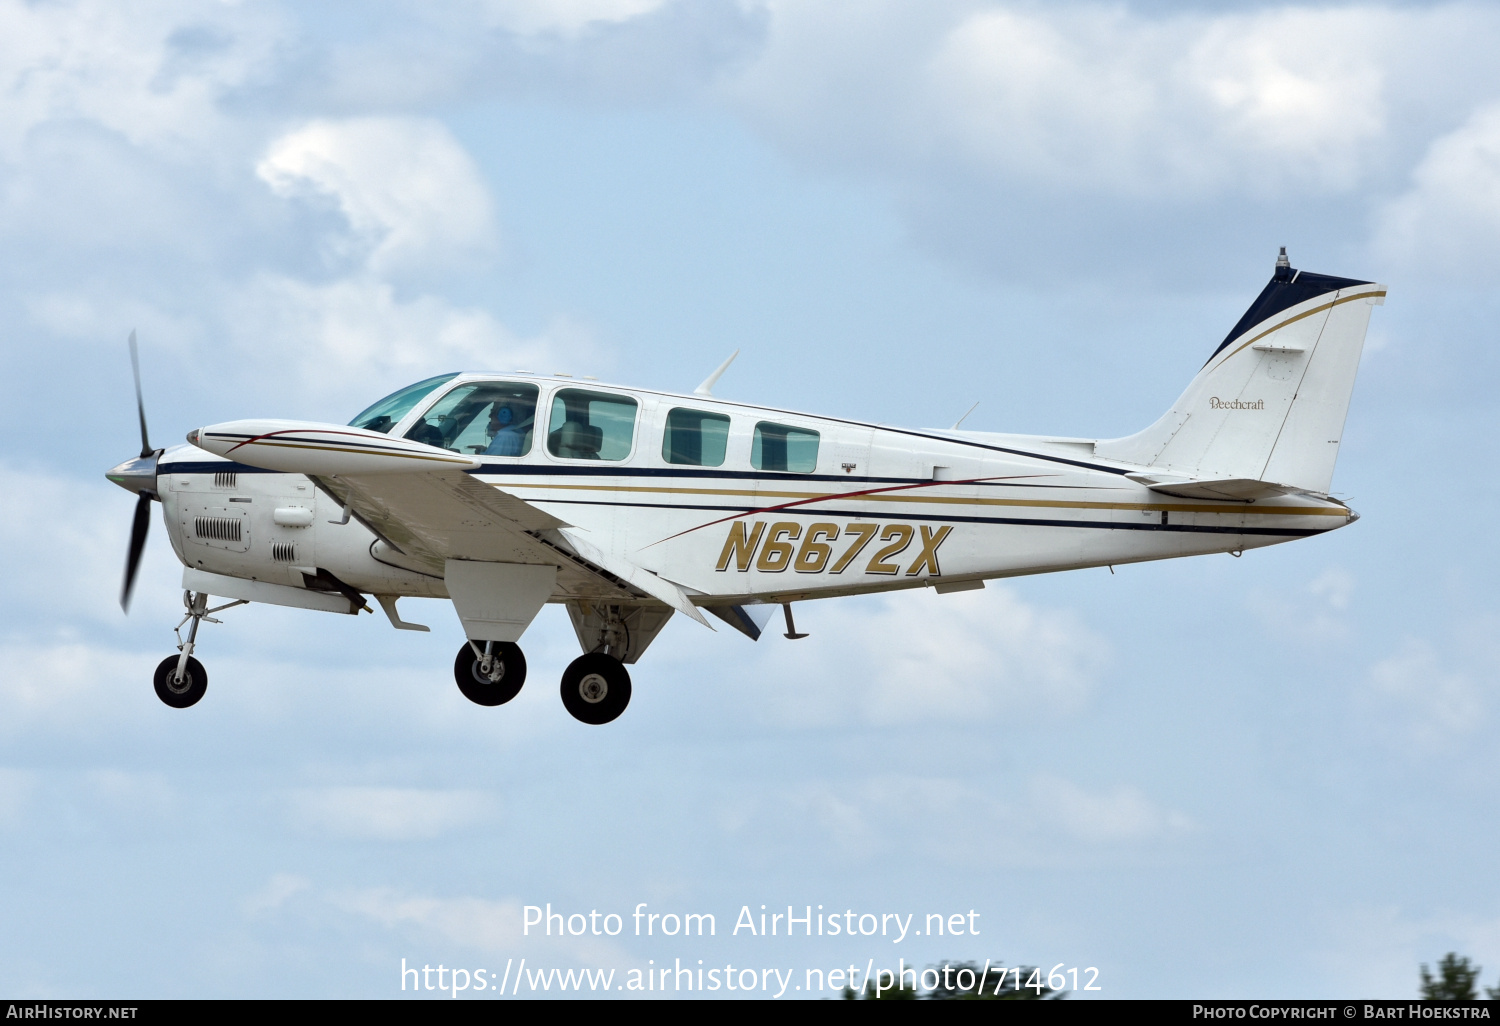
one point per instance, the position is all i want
(691, 473)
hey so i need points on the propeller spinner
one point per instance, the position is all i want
(139, 476)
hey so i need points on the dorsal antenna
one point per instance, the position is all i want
(707, 388)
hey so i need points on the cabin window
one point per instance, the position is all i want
(779, 447)
(482, 418)
(695, 438)
(385, 414)
(591, 425)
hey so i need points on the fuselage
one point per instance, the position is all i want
(857, 508)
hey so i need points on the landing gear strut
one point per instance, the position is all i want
(181, 680)
(490, 672)
(595, 688)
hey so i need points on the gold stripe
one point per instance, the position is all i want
(1154, 507)
(1300, 316)
(360, 452)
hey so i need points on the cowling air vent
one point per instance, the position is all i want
(218, 528)
(225, 480)
(284, 552)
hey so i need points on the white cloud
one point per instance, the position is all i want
(485, 925)
(389, 813)
(922, 656)
(1434, 703)
(1449, 220)
(154, 72)
(350, 339)
(16, 790)
(65, 684)
(63, 541)
(280, 889)
(1102, 98)
(413, 201)
(1106, 99)
(1026, 821)
(412, 196)
(139, 795)
(493, 927)
(1318, 612)
(564, 17)
(1334, 587)
(1122, 813)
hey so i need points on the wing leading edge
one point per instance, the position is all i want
(435, 514)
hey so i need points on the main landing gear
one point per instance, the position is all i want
(181, 680)
(595, 686)
(490, 672)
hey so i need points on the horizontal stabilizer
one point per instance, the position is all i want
(1239, 489)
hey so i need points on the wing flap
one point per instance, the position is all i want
(442, 515)
(636, 576)
(447, 515)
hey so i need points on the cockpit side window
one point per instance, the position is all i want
(785, 448)
(483, 418)
(695, 438)
(385, 414)
(591, 425)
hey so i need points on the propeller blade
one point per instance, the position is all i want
(137, 546)
(140, 404)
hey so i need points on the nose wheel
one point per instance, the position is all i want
(181, 680)
(595, 688)
(180, 690)
(490, 672)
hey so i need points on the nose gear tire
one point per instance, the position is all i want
(477, 685)
(595, 688)
(180, 694)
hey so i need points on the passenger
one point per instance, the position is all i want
(506, 439)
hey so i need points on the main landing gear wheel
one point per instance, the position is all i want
(180, 694)
(595, 688)
(502, 681)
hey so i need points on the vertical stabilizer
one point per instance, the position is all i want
(1269, 405)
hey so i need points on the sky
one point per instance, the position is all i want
(1272, 776)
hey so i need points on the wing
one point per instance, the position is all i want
(422, 502)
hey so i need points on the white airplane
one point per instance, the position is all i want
(503, 492)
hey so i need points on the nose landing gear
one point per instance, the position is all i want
(181, 680)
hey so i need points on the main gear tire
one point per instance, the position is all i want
(501, 684)
(595, 688)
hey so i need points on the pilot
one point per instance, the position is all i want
(506, 439)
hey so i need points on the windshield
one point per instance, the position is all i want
(384, 414)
